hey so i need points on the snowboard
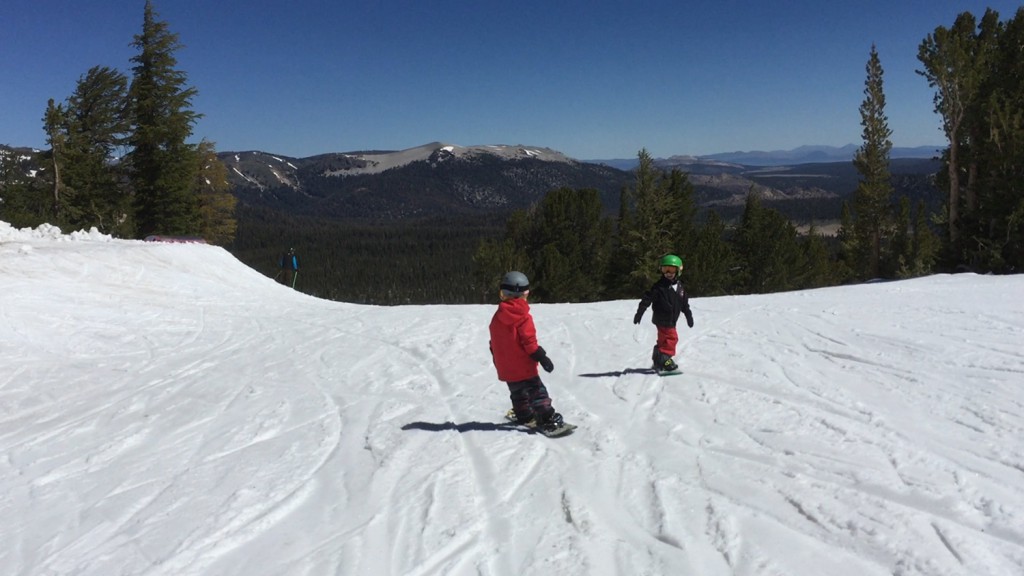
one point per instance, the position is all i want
(675, 372)
(562, 430)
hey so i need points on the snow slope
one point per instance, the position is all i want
(165, 410)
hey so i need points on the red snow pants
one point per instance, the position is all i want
(667, 340)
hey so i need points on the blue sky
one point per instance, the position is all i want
(595, 79)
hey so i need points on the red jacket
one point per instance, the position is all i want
(513, 339)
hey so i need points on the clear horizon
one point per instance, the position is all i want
(594, 80)
(938, 147)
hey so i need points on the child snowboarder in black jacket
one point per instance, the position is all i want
(669, 299)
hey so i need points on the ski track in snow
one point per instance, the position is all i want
(166, 410)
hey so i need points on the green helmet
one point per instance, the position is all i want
(671, 260)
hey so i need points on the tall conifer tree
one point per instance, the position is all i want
(163, 165)
(660, 221)
(96, 128)
(950, 59)
(56, 136)
(217, 204)
(709, 264)
(872, 200)
(975, 68)
(766, 244)
(998, 236)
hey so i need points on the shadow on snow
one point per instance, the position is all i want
(618, 373)
(468, 427)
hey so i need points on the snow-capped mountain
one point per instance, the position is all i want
(253, 167)
(432, 179)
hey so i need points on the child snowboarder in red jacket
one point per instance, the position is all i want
(669, 299)
(516, 354)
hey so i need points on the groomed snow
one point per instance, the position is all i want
(165, 410)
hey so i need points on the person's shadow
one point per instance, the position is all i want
(622, 372)
(468, 427)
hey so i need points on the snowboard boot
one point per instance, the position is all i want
(553, 422)
(530, 420)
(664, 363)
(669, 365)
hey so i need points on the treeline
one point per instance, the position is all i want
(567, 244)
(977, 72)
(118, 158)
(572, 253)
(369, 262)
(978, 76)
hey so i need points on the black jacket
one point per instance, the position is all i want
(666, 302)
(289, 261)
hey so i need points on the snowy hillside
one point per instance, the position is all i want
(165, 410)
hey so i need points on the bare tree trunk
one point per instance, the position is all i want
(954, 187)
(56, 186)
(972, 189)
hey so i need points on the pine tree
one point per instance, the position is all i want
(56, 137)
(817, 269)
(620, 263)
(645, 239)
(492, 259)
(95, 128)
(683, 207)
(925, 244)
(709, 265)
(847, 246)
(998, 236)
(902, 242)
(952, 67)
(660, 220)
(23, 198)
(217, 204)
(976, 69)
(163, 165)
(872, 211)
(766, 243)
(572, 241)
(562, 245)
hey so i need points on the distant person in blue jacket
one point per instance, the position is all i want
(289, 265)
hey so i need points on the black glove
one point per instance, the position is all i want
(542, 357)
(546, 364)
(689, 320)
(638, 316)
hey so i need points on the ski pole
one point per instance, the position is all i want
(295, 276)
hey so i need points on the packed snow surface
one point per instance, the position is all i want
(165, 410)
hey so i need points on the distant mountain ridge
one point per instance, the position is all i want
(445, 179)
(817, 154)
(430, 180)
(441, 179)
(799, 155)
(372, 162)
